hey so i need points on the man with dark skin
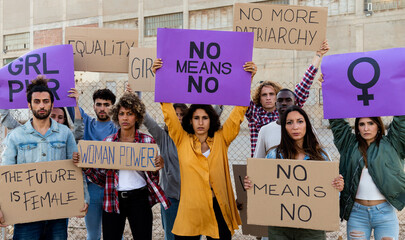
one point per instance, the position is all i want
(270, 134)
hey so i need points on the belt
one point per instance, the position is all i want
(127, 194)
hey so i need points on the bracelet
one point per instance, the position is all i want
(319, 55)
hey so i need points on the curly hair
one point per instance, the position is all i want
(215, 123)
(39, 84)
(258, 91)
(104, 94)
(132, 102)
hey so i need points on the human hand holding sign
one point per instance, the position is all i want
(316, 61)
(250, 67)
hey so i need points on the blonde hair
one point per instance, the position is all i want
(258, 91)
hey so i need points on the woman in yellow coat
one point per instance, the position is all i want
(207, 203)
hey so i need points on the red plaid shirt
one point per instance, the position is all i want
(108, 178)
(257, 117)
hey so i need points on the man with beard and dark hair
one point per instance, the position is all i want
(95, 129)
(35, 141)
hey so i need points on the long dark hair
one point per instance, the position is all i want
(288, 147)
(363, 146)
(66, 122)
(215, 124)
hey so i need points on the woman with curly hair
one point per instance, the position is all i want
(129, 194)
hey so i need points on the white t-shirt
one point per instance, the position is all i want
(367, 190)
(130, 179)
(269, 136)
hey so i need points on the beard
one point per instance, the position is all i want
(102, 118)
(41, 115)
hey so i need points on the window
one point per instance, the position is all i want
(174, 20)
(380, 5)
(8, 60)
(16, 42)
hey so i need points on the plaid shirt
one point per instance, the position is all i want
(108, 178)
(258, 117)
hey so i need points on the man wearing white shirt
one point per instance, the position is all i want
(270, 134)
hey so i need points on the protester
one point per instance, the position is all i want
(202, 148)
(128, 194)
(298, 141)
(262, 108)
(373, 166)
(270, 134)
(35, 141)
(95, 129)
(58, 114)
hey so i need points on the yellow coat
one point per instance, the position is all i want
(198, 174)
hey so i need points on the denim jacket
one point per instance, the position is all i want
(26, 145)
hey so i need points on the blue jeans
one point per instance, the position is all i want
(363, 219)
(49, 229)
(95, 212)
(168, 217)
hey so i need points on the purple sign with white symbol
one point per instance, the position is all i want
(55, 62)
(203, 67)
(368, 84)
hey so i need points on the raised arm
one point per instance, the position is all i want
(176, 131)
(396, 134)
(302, 88)
(231, 126)
(74, 93)
(342, 134)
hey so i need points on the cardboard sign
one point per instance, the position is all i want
(55, 62)
(293, 193)
(41, 191)
(239, 173)
(140, 75)
(117, 155)
(368, 82)
(101, 50)
(282, 26)
(203, 67)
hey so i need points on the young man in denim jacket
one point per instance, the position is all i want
(41, 139)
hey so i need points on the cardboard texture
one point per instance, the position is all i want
(117, 155)
(368, 82)
(140, 75)
(41, 191)
(203, 67)
(55, 62)
(239, 173)
(282, 26)
(293, 193)
(101, 50)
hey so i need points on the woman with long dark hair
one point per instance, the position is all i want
(207, 204)
(298, 141)
(373, 165)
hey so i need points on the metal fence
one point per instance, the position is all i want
(239, 150)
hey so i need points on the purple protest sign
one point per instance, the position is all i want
(55, 62)
(203, 67)
(365, 84)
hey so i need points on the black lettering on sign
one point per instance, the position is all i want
(255, 14)
(141, 68)
(198, 86)
(200, 50)
(303, 212)
(259, 188)
(298, 175)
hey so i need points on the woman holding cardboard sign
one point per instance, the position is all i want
(372, 163)
(298, 141)
(207, 204)
(128, 194)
